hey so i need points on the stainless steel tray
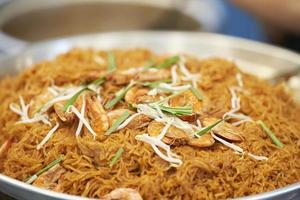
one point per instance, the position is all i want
(263, 60)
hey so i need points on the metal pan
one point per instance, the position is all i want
(260, 59)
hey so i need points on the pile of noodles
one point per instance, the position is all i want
(216, 172)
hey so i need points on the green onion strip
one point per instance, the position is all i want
(32, 178)
(119, 96)
(208, 128)
(111, 62)
(155, 84)
(178, 111)
(270, 133)
(116, 157)
(197, 93)
(72, 100)
(118, 122)
(165, 64)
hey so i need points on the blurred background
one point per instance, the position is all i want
(271, 21)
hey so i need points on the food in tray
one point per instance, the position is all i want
(130, 124)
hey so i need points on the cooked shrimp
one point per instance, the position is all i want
(153, 75)
(205, 140)
(50, 179)
(150, 75)
(216, 109)
(187, 98)
(39, 101)
(97, 115)
(63, 116)
(67, 116)
(139, 122)
(225, 130)
(91, 149)
(139, 95)
(189, 118)
(174, 136)
(178, 137)
(4, 147)
(123, 194)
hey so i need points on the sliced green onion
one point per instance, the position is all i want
(119, 95)
(72, 100)
(32, 178)
(120, 92)
(197, 93)
(91, 86)
(117, 123)
(40, 108)
(95, 84)
(132, 106)
(116, 157)
(167, 63)
(270, 133)
(208, 128)
(170, 97)
(150, 63)
(98, 81)
(178, 111)
(111, 62)
(154, 84)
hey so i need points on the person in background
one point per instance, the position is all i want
(280, 17)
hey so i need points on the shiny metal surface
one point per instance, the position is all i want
(263, 60)
(34, 20)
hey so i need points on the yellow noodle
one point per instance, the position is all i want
(207, 173)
